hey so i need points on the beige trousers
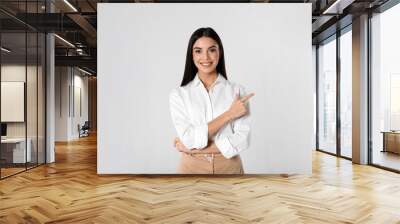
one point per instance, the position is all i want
(209, 164)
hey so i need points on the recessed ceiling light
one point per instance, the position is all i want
(84, 71)
(64, 40)
(337, 7)
(5, 50)
(70, 5)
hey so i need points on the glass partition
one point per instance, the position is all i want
(327, 96)
(22, 63)
(32, 95)
(13, 104)
(41, 107)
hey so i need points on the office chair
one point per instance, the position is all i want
(84, 130)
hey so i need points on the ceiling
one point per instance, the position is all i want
(76, 22)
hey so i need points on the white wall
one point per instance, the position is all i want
(61, 103)
(79, 117)
(68, 80)
(16, 72)
(141, 56)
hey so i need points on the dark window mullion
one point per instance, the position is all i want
(369, 90)
(317, 95)
(26, 86)
(37, 90)
(338, 98)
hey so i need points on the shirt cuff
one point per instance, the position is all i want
(225, 147)
(201, 136)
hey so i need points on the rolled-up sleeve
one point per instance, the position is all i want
(192, 136)
(232, 144)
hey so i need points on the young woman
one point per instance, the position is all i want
(210, 113)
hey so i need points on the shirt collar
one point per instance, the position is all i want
(220, 79)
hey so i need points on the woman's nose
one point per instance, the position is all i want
(205, 56)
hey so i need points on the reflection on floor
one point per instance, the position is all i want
(347, 152)
(70, 191)
(10, 169)
(386, 159)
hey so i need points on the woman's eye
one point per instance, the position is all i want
(197, 51)
(212, 50)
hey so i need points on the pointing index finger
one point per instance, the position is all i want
(246, 98)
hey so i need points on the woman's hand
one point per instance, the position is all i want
(211, 148)
(180, 146)
(238, 107)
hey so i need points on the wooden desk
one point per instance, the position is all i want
(391, 141)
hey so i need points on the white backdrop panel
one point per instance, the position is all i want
(141, 57)
(12, 101)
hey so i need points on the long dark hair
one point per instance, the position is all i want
(190, 67)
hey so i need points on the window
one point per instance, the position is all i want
(385, 88)
(346, 93)
(327, 96)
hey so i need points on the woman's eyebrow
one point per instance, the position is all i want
(214, 46)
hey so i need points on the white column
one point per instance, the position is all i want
(360, 90)
(50, 110)
(50, 93)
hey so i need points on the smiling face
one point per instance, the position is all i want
(206, 55)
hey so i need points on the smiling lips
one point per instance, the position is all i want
(205, 64)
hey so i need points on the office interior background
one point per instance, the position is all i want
(120, 72)
(48, 85)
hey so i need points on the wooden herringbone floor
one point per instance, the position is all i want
(70, 191)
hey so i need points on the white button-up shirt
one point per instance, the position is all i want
(193, 107)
